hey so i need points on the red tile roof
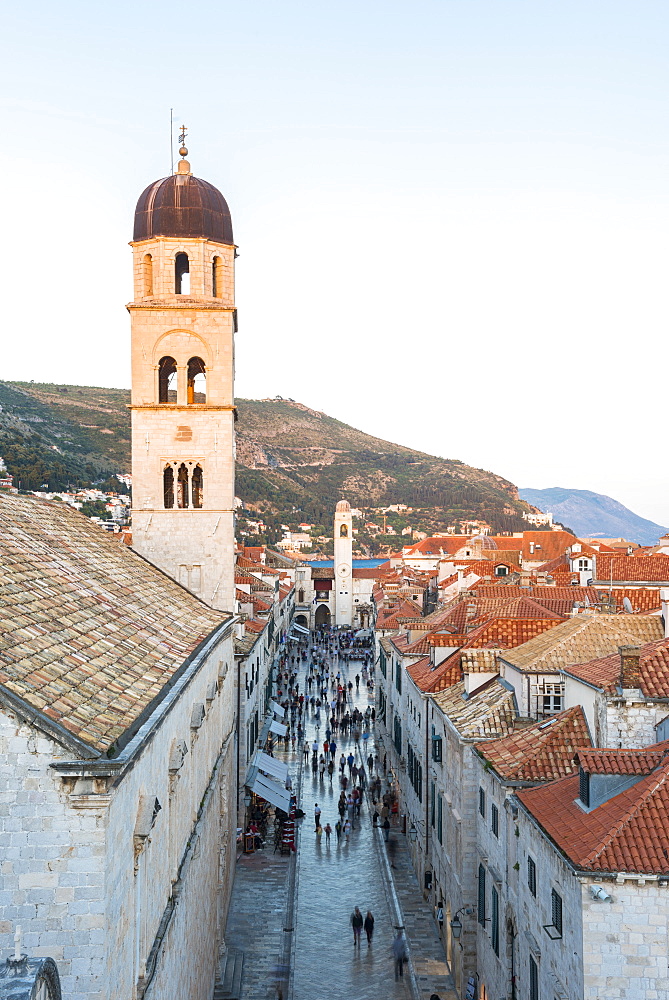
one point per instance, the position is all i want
(632, 568)
(604, 761)
(542, 752)
(627, 833)
(604, 672)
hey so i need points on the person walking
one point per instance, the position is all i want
(386, 829)
(328, 833)
(319, 833)
(347, 830)
(400, 955)
(338, 829)
(317, 816)
(350, 761)
(356, 923)
(369, 927)
(330, 770)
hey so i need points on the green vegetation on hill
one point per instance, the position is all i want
(293, 463)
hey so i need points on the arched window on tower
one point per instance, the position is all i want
(182, 274)
(197, 484)
(168, 487)
(182, 487)
(217, 278)
(343, 531)
(167, 380)
(300, 597)
(148, 274)
(197, 381)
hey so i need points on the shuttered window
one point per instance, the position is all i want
(531, 875)
(556, 911)
(494, 819)
(494, 916)
(534, 980)
(481, 897)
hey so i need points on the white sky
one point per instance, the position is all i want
(451, 215)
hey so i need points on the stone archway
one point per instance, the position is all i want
(301, 620)
(322, 615)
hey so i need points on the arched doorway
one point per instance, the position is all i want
(322, 615)
(301, 620)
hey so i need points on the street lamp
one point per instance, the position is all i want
(456, 923)
(247, 799)
(413, 833)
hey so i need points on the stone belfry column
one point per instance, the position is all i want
(183, 323)
(343, 563)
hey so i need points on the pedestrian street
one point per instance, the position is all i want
(333, 879)
(330, 880)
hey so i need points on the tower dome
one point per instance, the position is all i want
(343, 507)
(183, 205)
(485, 541)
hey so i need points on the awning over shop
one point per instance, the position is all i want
(270, 765)
(299, 628)
(278, 728)
(273, 792)
(277, 709)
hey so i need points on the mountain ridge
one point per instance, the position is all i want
(594, 515)
(289, 456)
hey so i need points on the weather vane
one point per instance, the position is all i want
(182, 141)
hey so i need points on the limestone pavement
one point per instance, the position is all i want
(330, 880)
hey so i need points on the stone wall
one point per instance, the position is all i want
(92, 863)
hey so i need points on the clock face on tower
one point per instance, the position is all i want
(344, 570)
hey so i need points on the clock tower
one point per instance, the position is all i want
(343, 563)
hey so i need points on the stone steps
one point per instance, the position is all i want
(232, 970)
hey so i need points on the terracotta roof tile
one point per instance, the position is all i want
(488, 712)
(583, 638)
(541, 752)
(627, 833)
(632, 568)
(604, 672)
(605, 761)
(90, 633)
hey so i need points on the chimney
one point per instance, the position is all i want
(664, 597)
(629, 666)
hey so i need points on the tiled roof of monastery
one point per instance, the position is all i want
(583, 638)
(488, 712)
(604, 672)
(541, 752)
(90, 633)
(627, 833)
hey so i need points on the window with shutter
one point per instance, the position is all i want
(534, 980)
(482, 802)
(584, 787)
(556, 911)
(440, 821)
(481, 896)
(531, 875)
(494, 819)
(494, 916)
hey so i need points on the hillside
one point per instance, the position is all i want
(288, 457)
(593, 515)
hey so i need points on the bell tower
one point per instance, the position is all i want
(343, 563)
(183, 324)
